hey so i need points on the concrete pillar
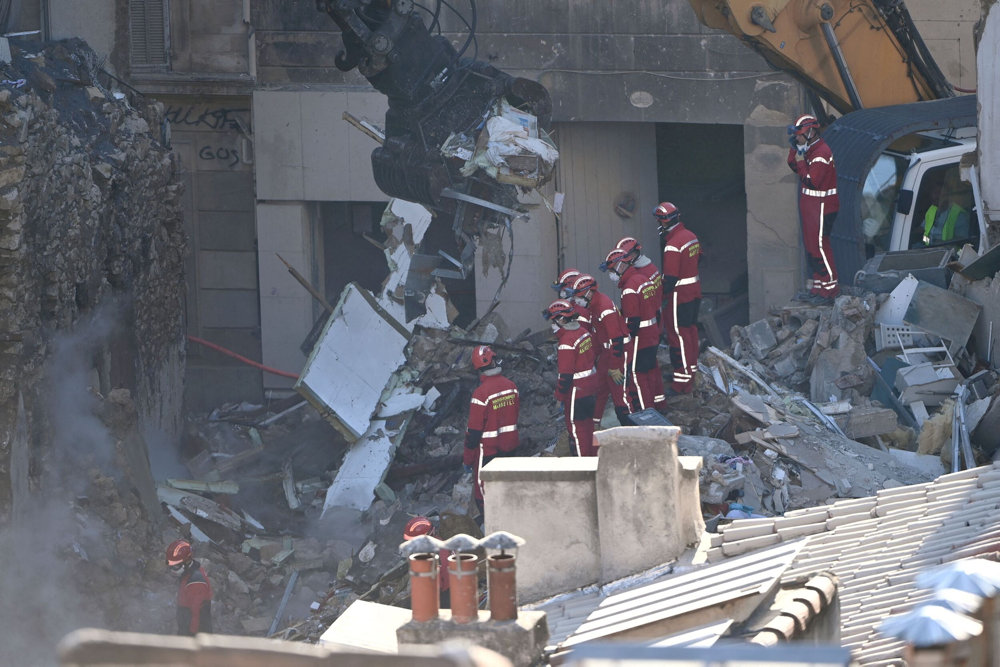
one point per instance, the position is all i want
(774, 249)
(642, 512)
(551, 503)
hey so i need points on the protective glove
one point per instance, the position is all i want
(467, 469)
(791, 136)
(616, 376)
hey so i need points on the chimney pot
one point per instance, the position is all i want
(424, 595)
(463, 574)
(501, 575)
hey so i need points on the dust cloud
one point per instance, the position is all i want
(57, 552)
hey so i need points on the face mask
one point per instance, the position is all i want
(614, 275)
(580, 301)
(555, 328)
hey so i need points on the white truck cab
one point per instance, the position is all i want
(914, 196)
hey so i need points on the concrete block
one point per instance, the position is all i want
(521, 641)
(646, 525)
(761, 337)
(551, 502)
(863, 422)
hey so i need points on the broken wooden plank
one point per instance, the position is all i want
(199, 506)
(204, 487)
(196, 532)
(288, 485)
(744, 370)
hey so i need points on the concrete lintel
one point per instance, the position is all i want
(540, 469)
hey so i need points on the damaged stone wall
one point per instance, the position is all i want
(91, 244)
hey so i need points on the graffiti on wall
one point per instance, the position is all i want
(217, 128)
(209, 118)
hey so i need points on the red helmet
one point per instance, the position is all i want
(630, 245)
(583, 284)
(179, 553)
(667, 214)
(803, 124)
(614, 261)
(482, 357)
(418, 525)
(564, 281)
(560, 308)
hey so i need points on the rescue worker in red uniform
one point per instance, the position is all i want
(681, 295)
(421, 525)
(812, 160)
(576, 387)
(611, 337)
(194, 595)
(564, 288)
(640, 305)
(647, 267)
(493, 410)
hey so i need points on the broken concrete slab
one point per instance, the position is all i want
(346, 373)
(942, 313)
(926, 382)
(365, 466)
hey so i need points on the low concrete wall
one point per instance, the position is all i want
(592, 520)
(550, 502)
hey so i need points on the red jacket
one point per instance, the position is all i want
(609, 325)
(681, 253)
(641, 298)
(194, 602)
(575, 357)
(817, 176)
(492, 417)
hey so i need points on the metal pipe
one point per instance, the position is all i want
(425, 599)
(501, 578)
(838, 58)
(463, 574)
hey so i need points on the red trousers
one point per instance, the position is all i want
(606, 386)
(816, 226)
(680, 320)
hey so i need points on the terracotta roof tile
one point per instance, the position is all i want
(743, 546)
(792, 532)
(737, 531)
(791, 521)
(853, 506)
(845, 519)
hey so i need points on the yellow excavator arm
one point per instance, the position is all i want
(852, 53)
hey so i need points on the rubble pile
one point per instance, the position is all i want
(91, 340)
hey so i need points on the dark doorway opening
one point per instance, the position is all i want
(700, 169)
(351, 234)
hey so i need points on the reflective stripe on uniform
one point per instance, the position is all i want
(502, 429)
(584, 374)
(819, 193)
(647, 323)
(489, 398)
(687, 281)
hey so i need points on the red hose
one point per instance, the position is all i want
(251, 362)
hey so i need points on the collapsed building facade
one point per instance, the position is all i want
(255, 105)
(288, 213)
